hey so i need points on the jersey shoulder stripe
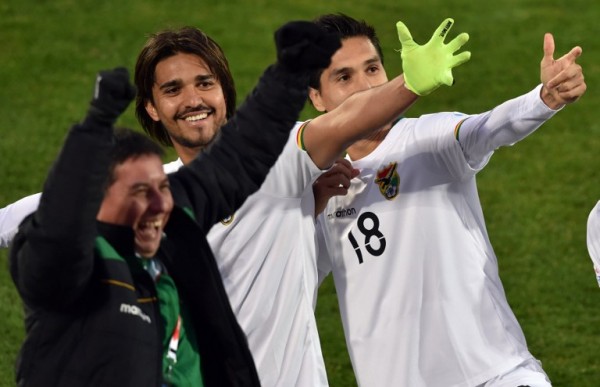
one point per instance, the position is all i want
(300, 135)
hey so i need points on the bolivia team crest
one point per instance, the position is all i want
(388, 180)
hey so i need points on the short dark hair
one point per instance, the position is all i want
(346, 27)
(129, 144)
(167, 43)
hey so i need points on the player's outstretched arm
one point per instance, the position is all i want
(562, 79)
(329, 135)
(510, 122)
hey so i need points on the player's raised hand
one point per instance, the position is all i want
(429, 66)
(303, 47)
(562, 78)
(113, 93)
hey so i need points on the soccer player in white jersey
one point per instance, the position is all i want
(421, 300)
(266, 251)
(593, 238)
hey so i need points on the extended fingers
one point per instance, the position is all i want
(443, 29)
(549, 48)
(572, 55)
(459, 59)
(458, 42)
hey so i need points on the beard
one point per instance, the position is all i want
(202, 142)
(206, 138)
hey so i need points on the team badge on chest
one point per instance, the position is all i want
(388, 180)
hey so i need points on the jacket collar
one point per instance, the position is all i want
(121, 238)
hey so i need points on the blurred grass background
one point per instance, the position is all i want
(536, 195)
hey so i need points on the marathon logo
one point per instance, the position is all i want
(134, 311)
(342, 213)
(446, 29)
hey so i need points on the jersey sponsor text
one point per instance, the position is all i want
(134, 311)
(342, 213)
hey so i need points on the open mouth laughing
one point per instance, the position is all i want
(149, 231)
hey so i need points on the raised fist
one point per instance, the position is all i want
(112, 95)
(304, 47)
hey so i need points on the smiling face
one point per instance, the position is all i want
(139, 197)
(356, 66)
(189, 101)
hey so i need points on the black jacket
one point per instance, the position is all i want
(92, 317)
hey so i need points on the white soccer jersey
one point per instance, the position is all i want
(417, 279)
(12, 215)
(266, 254)
(593, 238)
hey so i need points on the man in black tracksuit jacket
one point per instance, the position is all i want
(94, 311)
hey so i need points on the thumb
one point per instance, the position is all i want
(406, 39)
(548, 58)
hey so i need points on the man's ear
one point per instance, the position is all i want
(315, 98)
(151, 110)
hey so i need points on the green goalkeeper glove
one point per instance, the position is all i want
(429, 66)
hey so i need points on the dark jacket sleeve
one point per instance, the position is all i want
(52, 256)
(218, 181)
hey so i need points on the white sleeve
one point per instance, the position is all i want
(323, 257)
(173, 166)
(593, 238)
(481, 134)
(12, 215)
(293, 172)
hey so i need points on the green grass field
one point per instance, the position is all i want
(536, 195)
